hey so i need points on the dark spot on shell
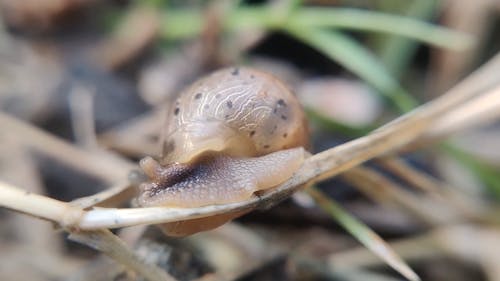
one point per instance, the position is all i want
(235, 71)
(229, 104)
(266, 146)
(275, 110)
(285, 135)
(281, 102)
(252, 76)
(252, 133)
(168, 147)
(206, 106)
(226, 116)
(217, 96)
(176, 111)
(284, 117)
(197, 96)
(152, 138)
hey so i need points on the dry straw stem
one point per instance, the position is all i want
(365, 235)
(435, 189)
(416, 178)
(101, 164)
(81, 103)
(112, 196)
(386, 192)
(134, 137)
(140, 26)
(480, 111)
(409, 249)
(36, 205)
(452, 241)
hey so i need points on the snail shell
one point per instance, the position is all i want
(231, 134)
(238, 111)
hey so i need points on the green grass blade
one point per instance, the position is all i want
(358, 60)
(487, 174)
(364, 20)
(363, 233)
(181, 24)
(397, 51)
(336, 127)
(184, 23)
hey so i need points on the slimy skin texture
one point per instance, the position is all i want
(216, 179)
(231, 134)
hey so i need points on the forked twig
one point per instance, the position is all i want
(102, 240)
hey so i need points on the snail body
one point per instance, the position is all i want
(232, 133)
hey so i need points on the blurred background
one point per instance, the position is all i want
(100, 74)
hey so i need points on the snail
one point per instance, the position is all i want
(230, 135)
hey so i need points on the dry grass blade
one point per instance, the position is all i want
(111, 194)
(452, 241)
(385, 191)
(99, 163)
(417, 179)
(364, 234)
(111, 245)
(134, 136)
(480, 111)
(434, 188)
(411, 249)
(81, 99)
(137, 30)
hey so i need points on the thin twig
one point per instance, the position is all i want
(99, 199)
(36, 205)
